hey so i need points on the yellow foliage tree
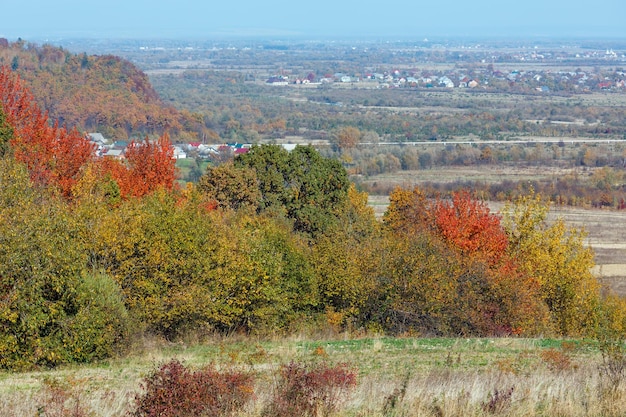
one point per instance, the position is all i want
(557, 258)
(343, 256)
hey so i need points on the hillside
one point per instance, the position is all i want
(91, 93)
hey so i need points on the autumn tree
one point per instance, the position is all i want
(148, 166)
(558, 259)
(183, 269)
(492, 295)
(230, 187)
(468, 225)
(343, 256)
(52, 309)
(347, 138)
(408, 211)
(54, 155)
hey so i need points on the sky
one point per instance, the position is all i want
(418, 19)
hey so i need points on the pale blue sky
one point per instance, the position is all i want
(40, 19)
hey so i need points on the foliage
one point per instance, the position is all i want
(342, 258)
(467, 224)
(557, 258)
(176, 391)
(453, 268)
(307, 187)
(183, 269)
(58, 157)
(51, 310)
(233, 188)
(148, 166)
(271, 164)
(347, 138)
(408, 211)
(609, 333)
(277, 281)
(100, 328)
(6, 133)
(310, 391)
(94, 92)
(158, 253)
(54, 155)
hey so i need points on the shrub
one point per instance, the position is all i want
(310, 391)
(52, 310)
(61, 399)
(99, 327)
(175, 391)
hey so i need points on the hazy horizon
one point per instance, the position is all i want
(323, 19)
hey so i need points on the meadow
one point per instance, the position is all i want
(395, 376)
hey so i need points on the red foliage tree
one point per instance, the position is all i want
(510, 301)
(148, 166)
(54, 155)
(468, 225)
(492, 294)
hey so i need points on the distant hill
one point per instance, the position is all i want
(92, 93)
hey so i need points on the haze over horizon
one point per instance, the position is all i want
(115, 19)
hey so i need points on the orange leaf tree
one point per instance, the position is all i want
(492, 295)
(149, 165)
(54, 155)
(468, 225)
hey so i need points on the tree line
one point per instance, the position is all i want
(94, 252)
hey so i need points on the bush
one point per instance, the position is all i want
(61, 399)
(175, 391)
(100, 324)
(310, 391)
(52, 311)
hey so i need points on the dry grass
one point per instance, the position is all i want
(397, 377)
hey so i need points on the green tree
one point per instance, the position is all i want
(318, 188)
(271, 164)
(6, 134)
(306, 187)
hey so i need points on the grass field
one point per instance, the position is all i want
(396, 377)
